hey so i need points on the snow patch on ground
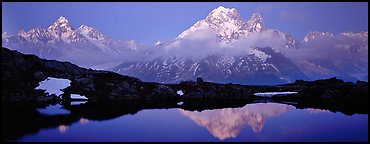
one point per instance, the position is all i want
(54, 85)
(77, 96)
(271, 94)
(180, 103)
(180, 92)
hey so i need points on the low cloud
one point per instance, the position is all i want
(204, 43)
(335, 49)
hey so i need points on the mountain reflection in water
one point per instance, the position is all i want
(168, 121)
(227, 122)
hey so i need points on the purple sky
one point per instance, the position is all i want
(150, 22)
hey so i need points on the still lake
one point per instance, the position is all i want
(252, 122)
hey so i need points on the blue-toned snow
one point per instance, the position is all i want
(54, 85)
(271, 94)
(180, 103)
(77, 96)
(179, 92)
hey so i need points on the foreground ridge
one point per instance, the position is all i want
(22, 73)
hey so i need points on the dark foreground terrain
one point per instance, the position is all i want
(112, 95)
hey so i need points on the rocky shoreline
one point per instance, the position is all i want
(21, 74)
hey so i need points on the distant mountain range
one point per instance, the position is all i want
(85, 46)
(223, 48)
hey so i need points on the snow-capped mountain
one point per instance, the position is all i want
(256, 66)
(98, 38)
(362, 35)
(230, 26)
(261, 66)
(61, 29)
(344, 55)
(62, 42)
(223, 47)
(316, 35)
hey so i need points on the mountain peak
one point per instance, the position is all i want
(62, 19)
(132, 44)
(221, 9)
(86, 28)
(61, 22)
(256, 16)
(316, 35)
(92, 33)
(83, 26)
(228, 24)
(61, 28)
(256, 23)
(223, 13)
(218, 19)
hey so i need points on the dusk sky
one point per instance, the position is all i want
(150, 22)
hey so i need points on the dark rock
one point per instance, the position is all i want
(22, 73)
(39, 75)
(50, 98)
(200, 80)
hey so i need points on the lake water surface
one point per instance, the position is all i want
(253, 122)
